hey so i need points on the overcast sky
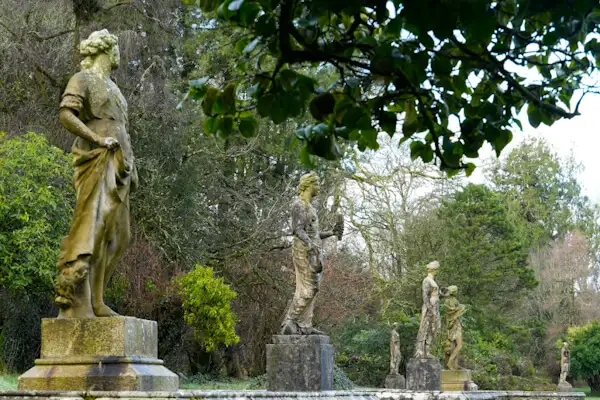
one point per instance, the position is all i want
(581, 134)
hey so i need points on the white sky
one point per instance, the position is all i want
(581, 134)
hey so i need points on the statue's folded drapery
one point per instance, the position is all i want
(102, 186)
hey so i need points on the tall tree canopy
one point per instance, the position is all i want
(456, 72)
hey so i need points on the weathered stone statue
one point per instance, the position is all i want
(95, 111)
(307, 256)
(424, 371)
(80, 352)
(430, 313)
(395, 355)
(454, 342)
(394, 380)
(565, 366)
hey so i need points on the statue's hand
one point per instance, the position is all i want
(111, 143)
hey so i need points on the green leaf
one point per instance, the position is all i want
(470, 167)
(266, 25)
(265, 104)
(235, 5)
(534, 115)
(242, 44)
(387, 121)
(210, 125)
(306, 158)
(322, 105)
(248, 126)
(224, 126)
(248, 13)
(251, 46)
(209, 100)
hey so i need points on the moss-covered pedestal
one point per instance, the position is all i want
(459, 380)
(118, 353)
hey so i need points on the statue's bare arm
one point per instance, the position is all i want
(426, 290)
(73, 124)
(299, 222)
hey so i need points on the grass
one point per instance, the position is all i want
(588, 394)
(8, 382)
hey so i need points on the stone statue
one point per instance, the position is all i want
(395, 355)
(307, 256)
(95, 111)
(454, 343)
(430, 313)
(565, 363)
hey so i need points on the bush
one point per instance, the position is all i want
(206, 303)
(585, 353)
(35, 210)
(341, 380)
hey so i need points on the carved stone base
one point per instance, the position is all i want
(118, 353)
(300, 363)
(395, 381)
(424, 374)
(564, 387)
(458, 380)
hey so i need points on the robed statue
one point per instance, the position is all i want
(454, 341)
(565, 363)
(430, 313)
(307, 257)
(395, 354)
(94, 110)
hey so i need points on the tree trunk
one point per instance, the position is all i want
(594, 383)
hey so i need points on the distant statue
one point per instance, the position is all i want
(95, 111)
(307, 257)
(454, 342)
(565, 363)
(395, 355)
(430, 313)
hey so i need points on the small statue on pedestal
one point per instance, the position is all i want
(565, 366)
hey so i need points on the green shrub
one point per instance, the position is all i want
(35, 210)
(585, 353)
(206, 302)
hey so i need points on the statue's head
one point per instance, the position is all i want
(433, 267)
(565, 344)
(452, 290)
(310, 182)
(100, 42)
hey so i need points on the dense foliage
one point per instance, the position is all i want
(585, 353)
(456, 74)
(207, 307)
(35, 209)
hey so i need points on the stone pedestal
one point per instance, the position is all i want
(564, 387)
(117, 353)
(395, 381)
(300, 363)
(424, 374)
(459, 380)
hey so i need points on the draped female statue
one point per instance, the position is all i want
(454, 342)
(430, 313)
(94, 110)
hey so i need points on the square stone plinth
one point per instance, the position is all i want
(98, 337)
(564, 387)
(117, 353)
(424, 374)
(457, 380)
(299, 363)
(395, 381)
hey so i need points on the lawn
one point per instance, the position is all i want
(8, 382)
(588, 395)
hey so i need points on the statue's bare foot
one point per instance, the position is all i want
(289, 328)
(312, 331)
(102, 310)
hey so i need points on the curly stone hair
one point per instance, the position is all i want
(307, 180)
(97, 43)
